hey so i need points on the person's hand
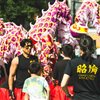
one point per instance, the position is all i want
(11, 95)
(69, 96)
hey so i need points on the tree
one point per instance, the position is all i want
(22, 11)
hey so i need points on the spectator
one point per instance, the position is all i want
(85, 71)
(36, 87)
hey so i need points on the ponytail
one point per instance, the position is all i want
(87, 45)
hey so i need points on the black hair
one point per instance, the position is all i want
(34, 68)
(24, 41)
(87, 45)
(67, 50)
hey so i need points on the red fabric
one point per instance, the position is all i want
(33, 41)
(4, 94)
(70, 89)
(56, 92)
(19, 95)
(51, 85)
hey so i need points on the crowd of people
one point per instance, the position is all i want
(85, 71)
(73, 78)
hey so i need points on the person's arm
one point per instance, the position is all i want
(26, 97)
(12, 73)
(64, 84)
(48, 93)
(25, 90)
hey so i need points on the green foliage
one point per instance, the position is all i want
(22, 11)
(99, 1)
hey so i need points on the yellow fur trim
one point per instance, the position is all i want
(79, 29)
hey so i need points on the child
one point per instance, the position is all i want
(36, 87)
